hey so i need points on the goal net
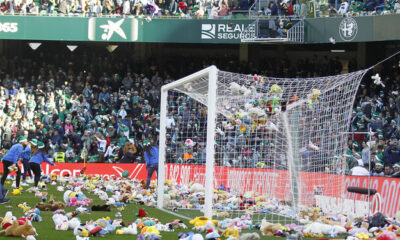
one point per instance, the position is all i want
(234, 144)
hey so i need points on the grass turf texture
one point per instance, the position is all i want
(46, 228)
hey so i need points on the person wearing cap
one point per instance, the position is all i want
(38, 156)
(396, 170)
(378, 169)
(356, 146)
(151, 158)
(11, 158)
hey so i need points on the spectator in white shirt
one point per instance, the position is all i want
(122, 113)
(360, 170)
(98, 9)
(344, 7)
(397, 6)
(170, 121)
(34, 9)
(126, 7)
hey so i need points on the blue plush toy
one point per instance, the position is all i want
(106, 226)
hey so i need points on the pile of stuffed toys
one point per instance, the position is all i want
(118, 192)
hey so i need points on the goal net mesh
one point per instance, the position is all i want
(279, 144)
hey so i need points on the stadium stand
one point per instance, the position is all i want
(83, 102)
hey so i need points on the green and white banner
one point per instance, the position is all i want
(113, 29)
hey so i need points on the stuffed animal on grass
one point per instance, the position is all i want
(131, 230)
(74, 199)
(74, 223)
(34, 215)
(17, 230)
(106, 226)
(249, 236)
(387, 235)
(61, 222)
(52, 206)
(230, 231)
(395, 229)
(24, 207)
(7, 220)
(105, 208)
(310, 214)
(201, 221)
(223, 214)
(16, 191)
(269, 229)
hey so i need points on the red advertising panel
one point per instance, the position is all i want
(259, 181)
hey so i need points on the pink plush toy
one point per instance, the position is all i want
(72, 202)
(387, 235)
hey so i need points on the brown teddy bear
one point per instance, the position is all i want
(52, 206)
(311, 214)
(223, 215)
(268, 229)
(17, 230)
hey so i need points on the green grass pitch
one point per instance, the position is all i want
(46, 228)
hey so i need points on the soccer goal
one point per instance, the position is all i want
(234, 144)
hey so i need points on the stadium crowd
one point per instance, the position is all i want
(214, 9)
(101, 108)
(377, 110)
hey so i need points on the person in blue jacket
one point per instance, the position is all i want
(151, 158)
(11, 158)
(25, 156)
(38, 156)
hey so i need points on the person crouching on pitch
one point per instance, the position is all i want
(38, 155)
(10, 160)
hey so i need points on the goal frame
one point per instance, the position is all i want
(212, 74)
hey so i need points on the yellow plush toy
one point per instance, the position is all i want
(24, 207)
(230, 232)
(312, 235)
(201, 221)
(150, 230)
(313, 97)
(275, 89)
(362, 235)
(17, 191)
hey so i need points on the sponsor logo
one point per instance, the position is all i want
(348, 29)
(207, 31)
(227, 31)
(136, 171)
(8, 27)
(112, 27)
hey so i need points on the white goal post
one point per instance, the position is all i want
(211, 73)
(271, 147)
